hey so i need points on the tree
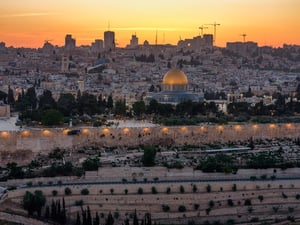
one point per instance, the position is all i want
(194, 188)
(97, 219)
(140, 191)
(230, 202)
(110, 102)
(147, 219)
(85, 191)
(110, 220)
(181, 189)
(261, 198)
(28, 202)
(181, 208)
(87, 104)
(52, 117)
(153, 107)
(247, 202)
(91, 164)
(135, 218)
(168, 190)
(10, 97)
(68, 191)
(34, 202)
(46, 101)
(139, 108)
(165, 208)
(148, 158)
(31, 98)
(234, 188)
(208, 188)
(78, 219)
(120, 108)
(66, 104)
(153, 190)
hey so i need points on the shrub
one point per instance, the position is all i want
(79, 202)
(207, 211)
(284, 195)
(112, 191)
(140, 191)
(297, 196)
(181, 189)
(211, 203)
(85, 191)
(168, 190)
(196, 206)
(165, 208)
(181, 208)
(54, 192)
(230, 202)
(250, 209)
(247, 202)
(126, 191)
(234, 188)
(194, 189)
(261, 198)
(153, 190)
(68, 191)
(208, 188)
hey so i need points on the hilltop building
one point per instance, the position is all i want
(70, 43)
(109, 40)
(196, 43)
(134, 42)
(97, 45)
(174, 89)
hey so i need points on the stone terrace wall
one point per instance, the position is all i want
(22, 145)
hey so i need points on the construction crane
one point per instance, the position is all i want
(202, 28)
(215, 30)
(244, 37)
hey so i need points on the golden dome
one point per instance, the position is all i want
(175, 77)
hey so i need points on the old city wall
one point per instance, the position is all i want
(23, 145)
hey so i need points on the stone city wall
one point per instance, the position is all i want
(22, 145)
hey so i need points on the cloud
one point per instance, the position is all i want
(147, 29)
(25, 15)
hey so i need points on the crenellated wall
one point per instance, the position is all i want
(23, 145)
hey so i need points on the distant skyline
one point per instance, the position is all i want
(29, 23)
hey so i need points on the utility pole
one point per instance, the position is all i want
(215, 30)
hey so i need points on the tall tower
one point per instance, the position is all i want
(70, 42)
(109, 40)
(134, 42)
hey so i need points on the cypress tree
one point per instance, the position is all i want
(78, 219)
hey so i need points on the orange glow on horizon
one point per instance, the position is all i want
(29, 23)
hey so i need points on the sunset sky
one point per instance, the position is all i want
(29, 23)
